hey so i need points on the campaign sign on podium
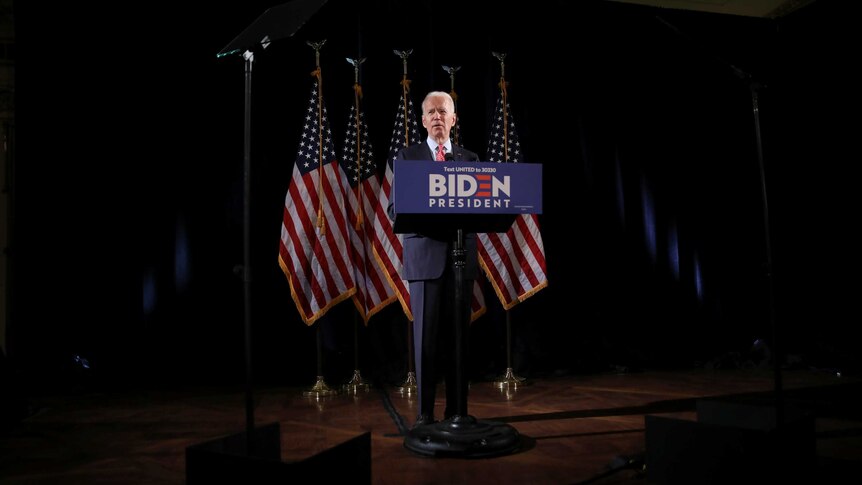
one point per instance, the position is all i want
(475, 196)
(443, 201)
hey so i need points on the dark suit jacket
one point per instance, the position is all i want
(424, 256)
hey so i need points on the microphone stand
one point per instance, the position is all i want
(755, 87)
(777, 349)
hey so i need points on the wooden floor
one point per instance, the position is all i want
(573, 429)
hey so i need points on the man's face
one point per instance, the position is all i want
(438, 117)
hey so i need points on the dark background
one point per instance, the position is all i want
(127, 215)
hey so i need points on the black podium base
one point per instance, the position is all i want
(463, 437)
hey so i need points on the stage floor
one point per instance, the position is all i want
(573, 429)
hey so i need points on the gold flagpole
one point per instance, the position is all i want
(405, 90)
(321, 222)
(319, 389)
(509, 381)
(456, 133)
(409, 385)
(356, 383)
(357, 96)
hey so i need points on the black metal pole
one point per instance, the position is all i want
(356, 340)
(356, 382)
(246, 253)
(509, 339)
(319, 350)
(411, 354)
(459, 263)
(409, 384)
(776, 345)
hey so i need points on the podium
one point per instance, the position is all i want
(452, 199)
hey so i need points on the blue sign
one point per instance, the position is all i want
(426, 187)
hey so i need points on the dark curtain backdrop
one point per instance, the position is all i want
(128, 223)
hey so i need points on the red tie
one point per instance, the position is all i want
(440, 156)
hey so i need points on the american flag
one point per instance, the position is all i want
(313, 251)
(373, 292)
(514, 261)
(388, 246)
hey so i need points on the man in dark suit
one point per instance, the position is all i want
(427, 262)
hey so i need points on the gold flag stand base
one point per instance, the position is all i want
(320, 389)
(356, 384)
(409, 386)
(510, 380)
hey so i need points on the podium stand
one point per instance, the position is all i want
(417, 209)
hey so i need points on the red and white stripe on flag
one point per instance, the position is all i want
(316, 259)
(515, 260)
(388, 246)
(373, 292)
